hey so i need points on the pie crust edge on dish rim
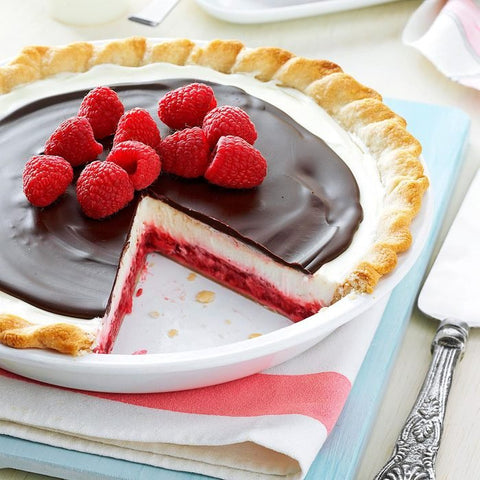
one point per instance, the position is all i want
(358, 109)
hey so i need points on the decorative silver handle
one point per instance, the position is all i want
(415, 451)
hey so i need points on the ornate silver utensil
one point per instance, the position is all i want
(450, 294)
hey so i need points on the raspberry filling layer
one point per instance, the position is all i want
(220, 269)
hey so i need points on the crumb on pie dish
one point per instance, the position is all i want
(343, 184)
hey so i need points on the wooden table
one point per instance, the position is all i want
(367, 44)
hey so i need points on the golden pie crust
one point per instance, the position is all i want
(16, 332)
(358, 109)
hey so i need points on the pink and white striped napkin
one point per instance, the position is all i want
(447, 32)
(269, 425)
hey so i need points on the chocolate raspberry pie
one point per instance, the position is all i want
(344, 182)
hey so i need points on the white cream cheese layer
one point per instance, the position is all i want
(299, 106)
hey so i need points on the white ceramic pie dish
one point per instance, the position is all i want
(187, 366)
(161, 372)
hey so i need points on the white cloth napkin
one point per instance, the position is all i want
(269, 425)
(447, 32)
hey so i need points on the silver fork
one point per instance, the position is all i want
(154, 12)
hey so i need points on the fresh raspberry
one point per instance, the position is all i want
(236, 164)
(185, 153)
(140, 161)
(137, 124)
(45, 178)
(73, 140)
(186, 106)
(103, 188)
(228, 120)
(103, 109)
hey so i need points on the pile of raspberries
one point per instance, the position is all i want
(209, 141)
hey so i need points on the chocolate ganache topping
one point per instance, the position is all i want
(304, 214)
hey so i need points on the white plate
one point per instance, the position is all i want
(262, 11)
(220, 359)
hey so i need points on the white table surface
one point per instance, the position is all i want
(367, 44)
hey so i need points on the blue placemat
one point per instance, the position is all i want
(442, 132)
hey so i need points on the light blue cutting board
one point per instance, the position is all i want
(442, 132)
